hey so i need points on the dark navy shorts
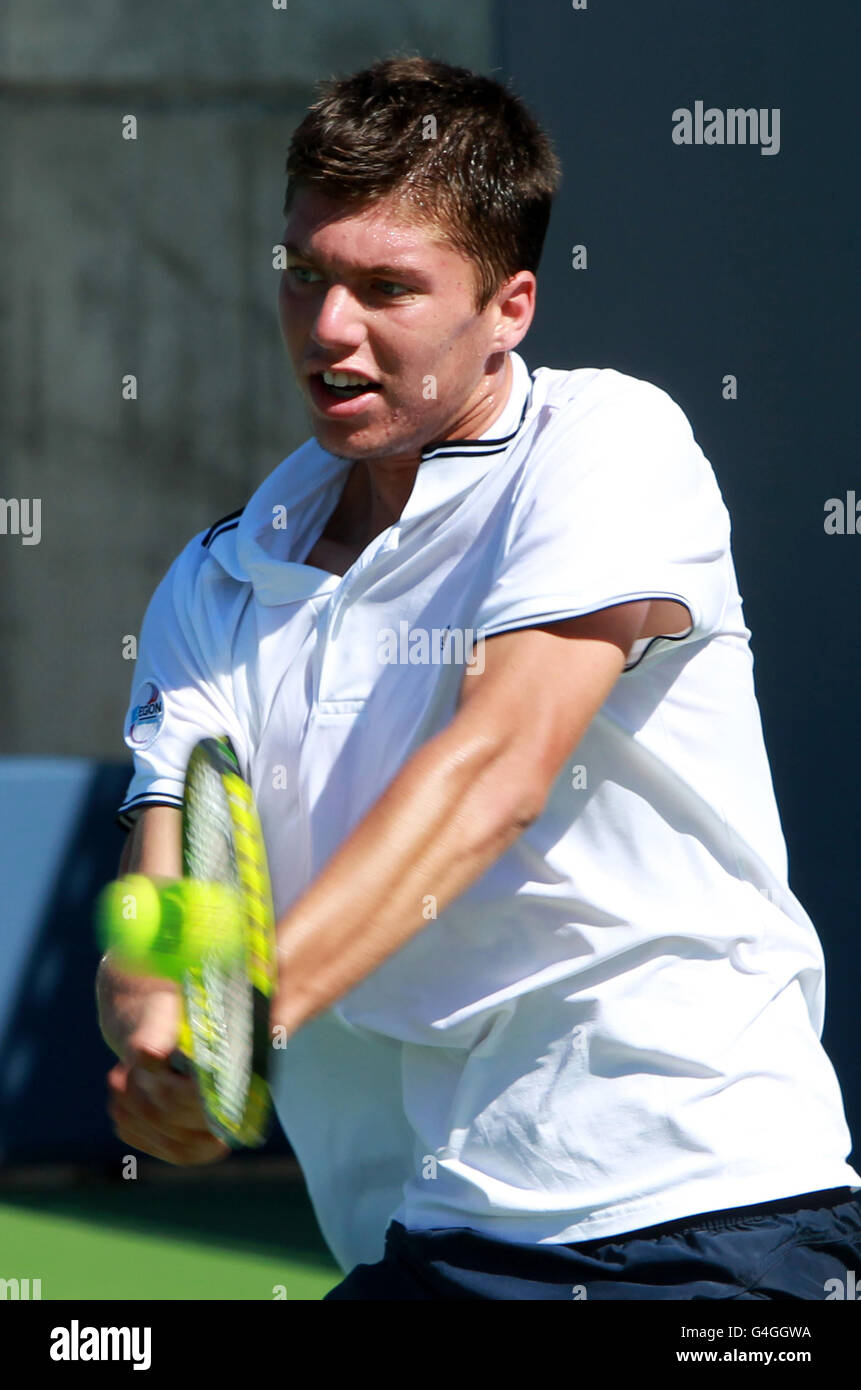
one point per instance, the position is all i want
(794, 1248)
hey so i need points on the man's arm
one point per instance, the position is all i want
(153, 1108)
(152, 847)
(458, 803)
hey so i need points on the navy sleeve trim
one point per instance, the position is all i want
(125, 821)
(226, 523)
(659, 637)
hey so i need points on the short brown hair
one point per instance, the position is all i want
(487, 179)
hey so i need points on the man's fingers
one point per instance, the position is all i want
(153, 1108)
(197, 1149)
(174, 1095)
(176, 1146)
(140, 1122)
(186, 1116)
(160, 1112)
(138, 1137)
(180, 1095)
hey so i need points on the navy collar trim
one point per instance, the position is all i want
(470, 448)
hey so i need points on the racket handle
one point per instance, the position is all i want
(179, 1063)
(181, 1059)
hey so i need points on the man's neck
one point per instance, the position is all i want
(388, 486)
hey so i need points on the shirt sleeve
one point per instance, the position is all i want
(182, 689)
(619, 505)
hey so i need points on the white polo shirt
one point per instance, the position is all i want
(619, 1023)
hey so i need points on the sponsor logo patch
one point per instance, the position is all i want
(146, 717)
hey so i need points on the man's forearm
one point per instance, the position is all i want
(121, 1000)
(448, 815)
(153, 847)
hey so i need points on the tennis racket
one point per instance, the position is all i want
(213, 932)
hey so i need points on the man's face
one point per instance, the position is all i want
(367, 292)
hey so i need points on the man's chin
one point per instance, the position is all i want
(362, 445)
(334, 443)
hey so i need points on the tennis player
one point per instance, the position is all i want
(549, 1016)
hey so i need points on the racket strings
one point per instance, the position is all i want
(219, 995)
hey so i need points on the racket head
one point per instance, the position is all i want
(225, 1027)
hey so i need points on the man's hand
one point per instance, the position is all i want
(153, 1108)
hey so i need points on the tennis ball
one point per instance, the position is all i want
(135, 928)
(165, 927)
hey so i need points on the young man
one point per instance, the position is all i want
(553, 1013)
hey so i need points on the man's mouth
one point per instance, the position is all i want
(345, 386)
(342, 395)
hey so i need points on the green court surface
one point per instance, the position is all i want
(246, 1238)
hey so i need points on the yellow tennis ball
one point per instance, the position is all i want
(130, 921)
(142, 923)
(165, 927)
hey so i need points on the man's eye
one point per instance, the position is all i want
(301, 272)
(298, 271)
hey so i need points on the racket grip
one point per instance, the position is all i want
(181, 1059)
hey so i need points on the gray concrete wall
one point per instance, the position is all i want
(153, 257)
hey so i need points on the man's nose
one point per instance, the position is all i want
(338, 319)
